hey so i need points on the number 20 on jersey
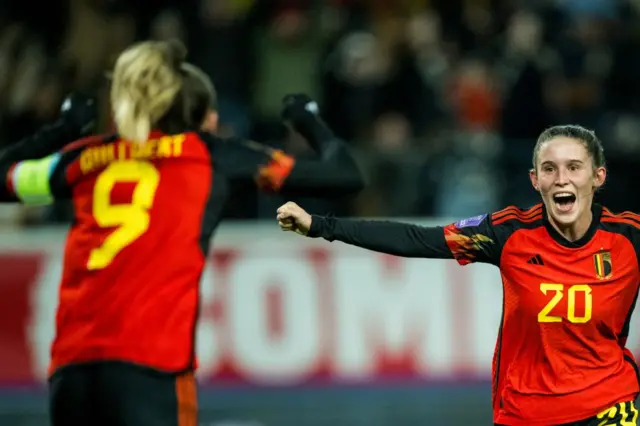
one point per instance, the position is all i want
(560, 292)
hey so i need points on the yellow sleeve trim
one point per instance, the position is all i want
(31, 180)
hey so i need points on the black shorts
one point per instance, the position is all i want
(622, 414)
(121, 394)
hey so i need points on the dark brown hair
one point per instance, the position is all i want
(587, 137)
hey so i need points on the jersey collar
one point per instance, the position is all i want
(596, 209)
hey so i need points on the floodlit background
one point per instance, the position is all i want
(441, 99)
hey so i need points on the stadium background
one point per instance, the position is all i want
(441, 99)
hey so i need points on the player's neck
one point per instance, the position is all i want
(576, 230)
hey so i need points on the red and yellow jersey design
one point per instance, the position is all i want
(560, 354)
(135, 252)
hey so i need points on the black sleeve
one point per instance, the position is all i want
(334, 173)
(318, 135)
(470, 240)
(46, 141)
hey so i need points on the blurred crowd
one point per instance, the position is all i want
(442, 99)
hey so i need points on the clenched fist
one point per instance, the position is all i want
(80, 111)
(292, 217)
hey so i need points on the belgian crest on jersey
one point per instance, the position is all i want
(602, 263)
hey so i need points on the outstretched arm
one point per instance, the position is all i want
(471, 240)
(399, 239)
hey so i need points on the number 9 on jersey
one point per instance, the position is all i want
(129, 220)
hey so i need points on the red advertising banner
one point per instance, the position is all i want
(283, 312)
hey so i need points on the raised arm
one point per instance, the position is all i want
(333, 173)
(78, 114)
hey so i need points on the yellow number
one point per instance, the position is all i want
(609, 412)
(543, 315)
(624, 415)
(130, 220)
(588, 302)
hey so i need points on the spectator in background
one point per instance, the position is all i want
(521, 74)
(228, 57)
(474, 97)
(288, 46)
(522, 68)
(392, 187)
(354, 71)
(427, 50)
(584, 56)
(21, 115)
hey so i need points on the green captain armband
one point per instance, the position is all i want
(31, 180)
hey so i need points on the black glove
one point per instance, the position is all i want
(79, 112)
(302, 112)
(298, 108)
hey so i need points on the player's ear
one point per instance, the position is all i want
(599, 177)
(534, 179)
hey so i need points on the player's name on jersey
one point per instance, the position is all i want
(97, 157)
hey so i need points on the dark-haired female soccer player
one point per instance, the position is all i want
(570, 277)
(146, 202)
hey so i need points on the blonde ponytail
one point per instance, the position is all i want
(146, 80)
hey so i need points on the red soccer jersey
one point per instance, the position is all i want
(136, 250)
(560, 355)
